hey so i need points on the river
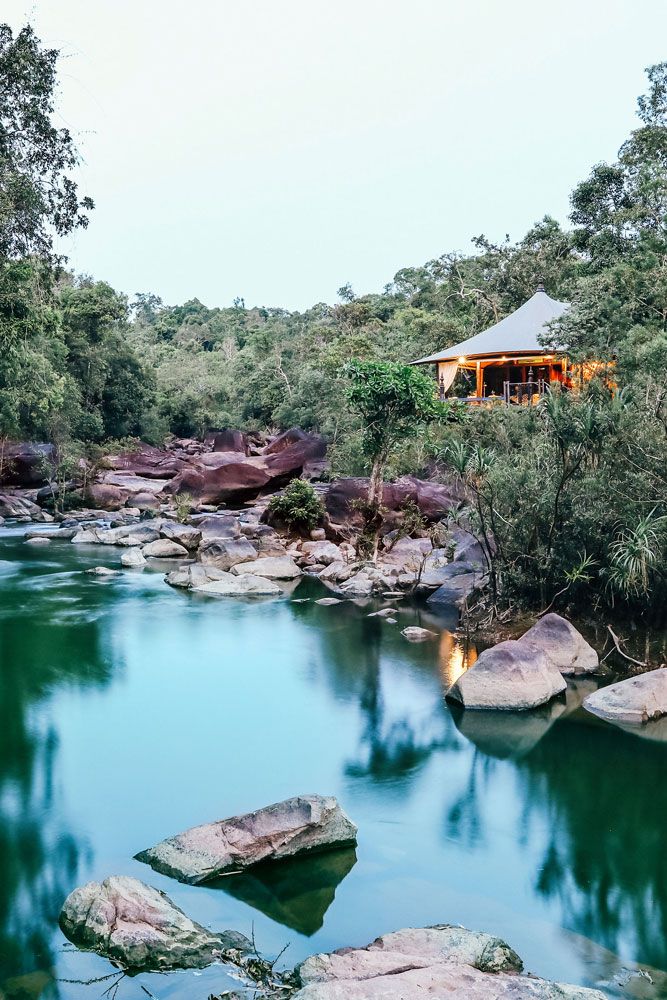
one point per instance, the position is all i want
(130, 711)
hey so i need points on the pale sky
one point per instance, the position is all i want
(277, 149)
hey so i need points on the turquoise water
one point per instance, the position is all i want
(130, 711)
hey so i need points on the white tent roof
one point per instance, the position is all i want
(516, 334)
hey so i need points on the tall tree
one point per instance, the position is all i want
(38, 197)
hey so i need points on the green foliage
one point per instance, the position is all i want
(38, 197)
(298, 506)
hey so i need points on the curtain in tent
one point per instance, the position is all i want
(446, 373)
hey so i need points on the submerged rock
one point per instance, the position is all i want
(509, 676)
(283, 830)
(36, 540)
(563, 645)
(442, 962)
(635, 700)
(102, 571)
(139, 927)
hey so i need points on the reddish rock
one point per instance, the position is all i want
(25, 464)
(106, 496)
(433, 499)
(227, 440)
(152, 463)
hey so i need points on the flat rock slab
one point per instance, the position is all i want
(228, 585)
(272, 567)
(635, 700)
(441, 963)
(165, 548)
(511, 676)
(563, 645)
(283, 830)
(140, 928)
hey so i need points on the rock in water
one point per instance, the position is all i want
(164, 548)
(133, 558)
(284, 830)
(223, 553)
(562, 645)
(415, 634)
(139, 927)
(635, 700)
(441, 963)
(272, 567)
(102, 571)
(239, 586)
(509, 676)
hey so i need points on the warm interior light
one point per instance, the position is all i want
(462, 361)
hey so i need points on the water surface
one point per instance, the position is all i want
(130, 711)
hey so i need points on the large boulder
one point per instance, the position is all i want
(147, 462)
(636, 700)
(226, 552)
(133, 559)
(511, 676)
(26, 465)
(409, 555)
(18, 507)
(284, 830)
(239, 479)
(459, 582)
(228, 585)
(441, 962)
(139, 928)
(217, 525)
(107, 496)
(321, 552)
(434, 500)
(192, 575)
(163, 548)
(563, 645)
(186, 535)
(273, 567)
(227, 440)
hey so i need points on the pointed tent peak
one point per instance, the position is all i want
(540, 287)
(517, 333)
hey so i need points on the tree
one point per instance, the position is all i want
(394, 401)
(38, 197)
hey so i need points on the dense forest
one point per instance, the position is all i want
(572, 495)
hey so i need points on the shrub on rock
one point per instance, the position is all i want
(299, 506)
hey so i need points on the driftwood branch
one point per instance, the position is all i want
(617, 643)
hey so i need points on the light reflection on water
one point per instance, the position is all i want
(129, 711)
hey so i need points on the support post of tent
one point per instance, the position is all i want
(479, 390)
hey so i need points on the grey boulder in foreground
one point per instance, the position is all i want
(441, 963)
(283, 830)
(139, 927)
(635, 700)
(563, 645)
(511, 676)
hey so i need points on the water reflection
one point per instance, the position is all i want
(294, 893)
(39, 856)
